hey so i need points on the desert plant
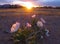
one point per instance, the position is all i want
(31, 32)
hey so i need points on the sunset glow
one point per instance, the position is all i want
(28, 5)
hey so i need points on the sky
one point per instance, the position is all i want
(35, 2)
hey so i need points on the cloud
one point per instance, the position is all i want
(6, 1)
(53, 3)
(28, 0)
(36, 2)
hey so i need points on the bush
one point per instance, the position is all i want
(29, 33)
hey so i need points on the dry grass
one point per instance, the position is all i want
(22, 11)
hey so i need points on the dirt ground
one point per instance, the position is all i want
(53, 24)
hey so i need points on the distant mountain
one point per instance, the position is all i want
(19, 6)
(10, 6)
